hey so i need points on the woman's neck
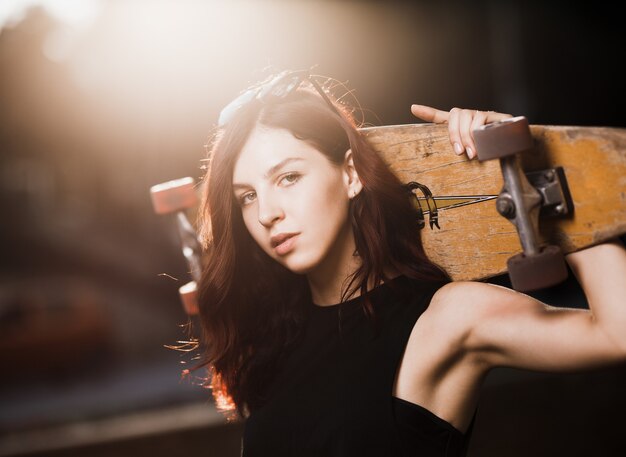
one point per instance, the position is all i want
(328, 278)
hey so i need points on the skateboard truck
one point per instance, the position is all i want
(174, 197)
(521, 200)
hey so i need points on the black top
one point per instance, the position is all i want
(334, 395)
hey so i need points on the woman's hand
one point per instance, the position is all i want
(460, 122)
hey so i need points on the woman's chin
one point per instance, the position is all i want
(297, 265)
(299, 269)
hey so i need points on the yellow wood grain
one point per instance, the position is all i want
(474, 241)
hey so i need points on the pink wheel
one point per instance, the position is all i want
(172, 196)
(528, 273)
(502, 139)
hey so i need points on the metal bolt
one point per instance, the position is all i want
(505, 207)
(549, 175)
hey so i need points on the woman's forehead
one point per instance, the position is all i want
(268, 148)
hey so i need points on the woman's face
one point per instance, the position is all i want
(294, 201)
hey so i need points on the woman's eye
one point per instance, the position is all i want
(247, 198)
(289, 178)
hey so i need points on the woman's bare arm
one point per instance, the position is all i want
(601, 271)
(502, 327)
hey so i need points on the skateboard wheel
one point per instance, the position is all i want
(503, 138)
(189, 296)
(172, 196)
(528, 273)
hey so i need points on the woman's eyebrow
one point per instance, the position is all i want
(279, 165)
(273, 169)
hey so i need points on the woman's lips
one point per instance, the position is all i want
(283, 244)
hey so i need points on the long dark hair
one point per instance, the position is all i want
(251, 307)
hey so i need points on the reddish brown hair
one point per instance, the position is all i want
(251, 307)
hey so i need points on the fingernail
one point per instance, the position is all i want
(458, 148)
(470, 153)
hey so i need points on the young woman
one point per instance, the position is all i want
(325, 325)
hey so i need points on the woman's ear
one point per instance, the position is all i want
(351, 179)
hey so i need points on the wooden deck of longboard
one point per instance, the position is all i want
(474, 241)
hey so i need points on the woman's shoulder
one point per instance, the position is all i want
(443, 304)
(468, 296)
(460, 305)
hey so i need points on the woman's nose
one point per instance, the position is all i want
(269, 212)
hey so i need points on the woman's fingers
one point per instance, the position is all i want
(466, 118)
(492, 116)
(461, 124)
(460, 129)
(430, 114)
(454, 131)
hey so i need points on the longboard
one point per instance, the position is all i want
(469, 237)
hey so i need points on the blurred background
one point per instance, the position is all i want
(101, 99)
